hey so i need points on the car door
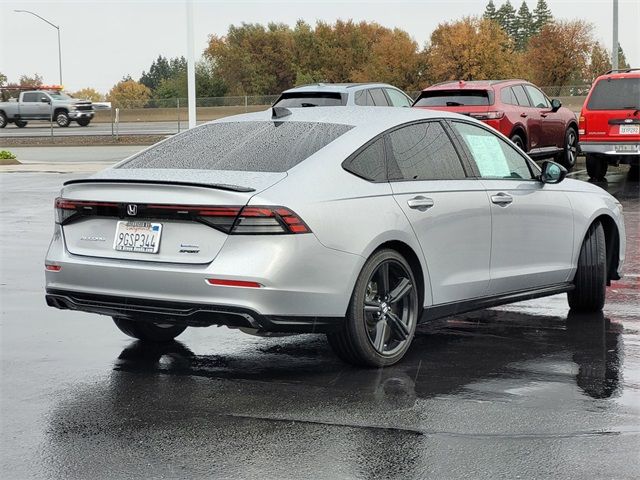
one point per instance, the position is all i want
(449, 211)
(551, 123)
(530, 117)
(532, 222)
(29, 106)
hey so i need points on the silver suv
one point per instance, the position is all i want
(344, 94)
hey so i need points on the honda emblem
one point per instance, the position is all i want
(132, 209)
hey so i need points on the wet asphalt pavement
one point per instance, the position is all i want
(529, 390)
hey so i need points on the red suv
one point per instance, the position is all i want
(610, 122)
(517, 109)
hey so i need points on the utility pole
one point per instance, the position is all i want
(614, 50)
(191, 67)
(57, 27)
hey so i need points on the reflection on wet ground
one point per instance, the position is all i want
(527, 390)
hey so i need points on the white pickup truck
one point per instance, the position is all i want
(45, 105)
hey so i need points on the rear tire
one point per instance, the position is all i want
(519, 141)
(83, 122)
(596, 166)
(20, 123)
(3, 120)
(382, 314)
(147, 331)
(569, 153)
(591, 277)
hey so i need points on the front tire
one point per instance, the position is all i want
(596, 166)
(62, 119)
(382, 314)
(83, 122)
(20, 123)
(147, 331)
(569, 154)
(591, 277)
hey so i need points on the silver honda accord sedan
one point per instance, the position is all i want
(359, 223)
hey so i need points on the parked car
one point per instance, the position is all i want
(516, 108)
(610, 122)
(355, 222)
(344, 94)
(46, 104)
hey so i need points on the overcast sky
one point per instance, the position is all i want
(104, 40)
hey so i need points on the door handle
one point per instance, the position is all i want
(420, 203)
(501, 199)
(544, 115)
(523, 115)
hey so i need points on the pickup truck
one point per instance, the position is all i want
(45, 105)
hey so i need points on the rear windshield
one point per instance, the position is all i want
(240, 146)
(452, 98)
(615, 94)
(309, 99)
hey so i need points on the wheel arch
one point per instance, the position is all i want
(612, 244)
(519, 129)
(60, 109)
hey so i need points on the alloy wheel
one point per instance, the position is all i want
(572, 148)
(390, 311)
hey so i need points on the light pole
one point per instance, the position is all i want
(57, 27)
(614, 54)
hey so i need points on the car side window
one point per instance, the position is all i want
(521, 97)
(42, 96)
(423, 151)
(379, 98)
(507, 97)
(30, 97)
(494, 157)
(360, 98)
(398, 99)
(537, 97)
(369, 163)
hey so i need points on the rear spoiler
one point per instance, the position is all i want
(215, 186)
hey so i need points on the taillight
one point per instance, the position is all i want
(495, 115)
(238, 220)
(582, 125)
(223, 282)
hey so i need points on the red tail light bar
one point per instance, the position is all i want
(233, 220)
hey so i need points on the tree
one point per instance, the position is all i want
(622, 59)
(506, 17)
(541, 16)
(162, 69)
(129, 94)
(523, 27)
(89, 94)
(490, 11)
(599, 63)
(3, 79)
(27, 81)
(471, 49)
(559, 53)
(208, 83)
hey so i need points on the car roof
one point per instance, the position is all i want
(472, 84)
(621, 73)
(337, 87)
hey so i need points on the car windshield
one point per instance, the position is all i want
(452, 98)
(309, 99)
(240, 146)
(59, 96)
(615, 94)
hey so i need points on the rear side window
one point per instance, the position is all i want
(379, 98)
(423, 151)
(507, 96)
(369, 163)
(309, 99)
(30, 97)
(453, 98)
(521, 97)
(615, 94)
(364, 98)
(240, 146)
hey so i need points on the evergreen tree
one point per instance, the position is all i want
(490, 11)
(506, 17)
(622, 59)
(524, 27)
(541, 16)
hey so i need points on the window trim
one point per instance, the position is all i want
(534, 169)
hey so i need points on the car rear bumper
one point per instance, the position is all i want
(611, 148)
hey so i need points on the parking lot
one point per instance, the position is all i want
(529, 390)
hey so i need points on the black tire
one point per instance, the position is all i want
(83, 122)
(596, 166)
(147, 331)
(569, 153)
(62, 118)
(519, 141)
(20, 123)
(381, 335)
(591, 276)
(3, 120)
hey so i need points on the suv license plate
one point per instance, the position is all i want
(139, 237)
(629, 129)
(626, 148)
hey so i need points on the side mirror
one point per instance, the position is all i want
(45, 100)
(552, 172)
(555, 105)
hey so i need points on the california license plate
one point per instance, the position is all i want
(140, 237)
(629, 129)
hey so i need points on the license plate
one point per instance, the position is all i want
(139, 237)
(629, 129)
(626, 148)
